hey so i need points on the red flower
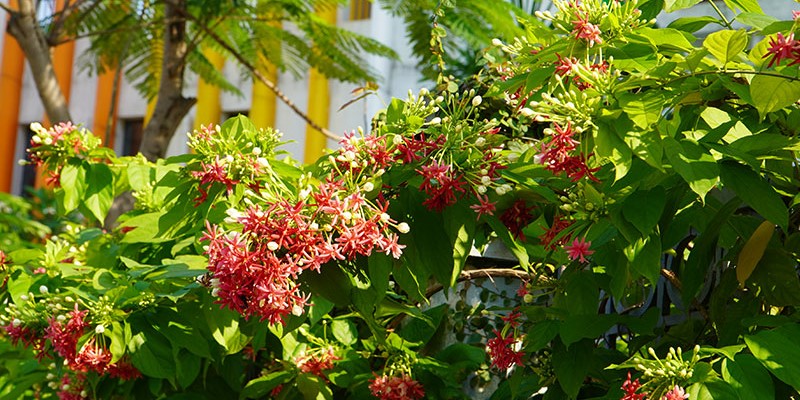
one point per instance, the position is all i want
(782, 48)
(513, 318)
(630, 388)
(212, 172)
(579, 250)
(501, 351)
(517, 217)
(396, 388)
(548, 239)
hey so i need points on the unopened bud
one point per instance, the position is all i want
(403, 227)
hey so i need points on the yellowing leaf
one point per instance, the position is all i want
(753, 250)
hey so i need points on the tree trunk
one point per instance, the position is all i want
(171, 106)
(25, 28)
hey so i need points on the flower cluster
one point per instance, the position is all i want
(233, 154)
(630, 388)
(254, 266)
(317, 362)
(503, 350)
(663, 378)
(50, 148)
(402, 387)
(53, 332)
(561, 154)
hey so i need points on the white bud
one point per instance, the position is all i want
(50, 376)
(313, 226)
(369, 186)
(48, 140)
(526, 112)
(497, 42)
(36, 127)
(99, 329)
(403, 227)
(485, 180)
(262, 161)
(347, 215)
(435, 121)
(423, 92)
(297, 310)
(16, 322)
(481, 189)
(36, 139)
(272, 246)
(43, 289)
(476, 101)
(385, 217)
(256, 150)
(24, 297)
(480, 142)
(229, 158)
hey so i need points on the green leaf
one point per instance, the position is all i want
(726, 45)
(224, 327)
(99, 191)
(775, 278)
(755, 191)
(151, 354)
(540, 335)
(693, 163)
(675, 5)
(757, 20)
(643, 208)
(344, 331)
(778, 350)
(772, 93)
(261, 386)
(571, 365)
(748, 377)
(610, 146)
(73, 185)
(644, 257)
(643, 109)
(577, 327)
(744, 5)
(459, 223)
(753, 250)
(313, 387)
(692, 24)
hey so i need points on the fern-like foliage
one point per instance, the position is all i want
(287, 34)
(470, 25)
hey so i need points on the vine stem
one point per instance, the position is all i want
(721, 15)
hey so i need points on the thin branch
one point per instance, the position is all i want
(490, 273)
(261, 78)
(7, 8)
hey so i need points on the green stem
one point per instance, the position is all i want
(721, 15)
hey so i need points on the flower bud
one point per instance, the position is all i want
(476, 101)
(99, 329)
(403, 227)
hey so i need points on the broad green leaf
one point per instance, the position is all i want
(470, 357)
(459, 223)
(73, 185)
(675, 5)
(610, 146)
(643, 109)
(151, 354)
(726, 45)
(577, 327)
(643, 208)
(753, 250)
(748, 377)
(711, 389)
(187, 367)
(260, 387)
(692, 24)
(224, 327)
(99, 190)
(771, 93)
(693, 163)
(744, 5)
(344, 331)
(779, 351)
(715, 117)
(775, 278)
(755, 191)
(757, 20)
(313, 387)
(757, 53)
(571, 365)
(540, 335)
(644, 257)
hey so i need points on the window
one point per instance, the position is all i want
(132, 130)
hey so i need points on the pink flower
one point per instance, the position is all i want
(630, 388)
(677, 393)
(513, 318)
(578, 250)
(501, 351)
(548, 238)
(396, 388)
(583, 29)
(796, 15)
(484, 206)
(317, 363)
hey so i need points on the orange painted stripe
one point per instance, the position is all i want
(105, 109)
(11, 71)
